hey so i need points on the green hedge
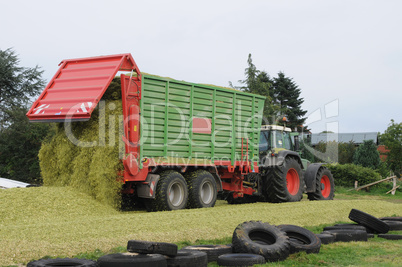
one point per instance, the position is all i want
(347, 174)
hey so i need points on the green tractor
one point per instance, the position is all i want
(283, 175)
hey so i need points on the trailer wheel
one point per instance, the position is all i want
(202, 189)
(131, 259)
(261, 238)
(285, 183)
(324, 186)
(171, 192)
(62, 262)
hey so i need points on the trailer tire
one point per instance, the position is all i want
(62, 262)
(186, 258)
(369, 221)
(240, 259)
(148, 247)
(202, 189)
(285, 183)
(301, 239)
(213, 251)
(132, 259)
(256, 237)
(171, 193)
(324, 186)
(326, 238)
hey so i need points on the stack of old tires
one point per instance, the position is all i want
(365, 226)
(253, 242)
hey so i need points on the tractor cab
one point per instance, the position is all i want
(274, 138)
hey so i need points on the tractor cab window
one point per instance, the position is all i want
(287, 141)
(265, 143)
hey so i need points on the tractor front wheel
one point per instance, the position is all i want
(324, 186)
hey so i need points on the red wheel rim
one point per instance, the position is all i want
(292, 181)
(325, 186)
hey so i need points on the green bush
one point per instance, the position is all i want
(347, 174)
(367, 155)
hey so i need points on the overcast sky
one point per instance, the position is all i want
(346, 56)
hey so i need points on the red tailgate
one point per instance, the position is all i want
(77, 87)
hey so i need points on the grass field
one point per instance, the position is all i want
(60, 222)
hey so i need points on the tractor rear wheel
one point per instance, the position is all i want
(171, 192)
(324, 186)
(284, 183)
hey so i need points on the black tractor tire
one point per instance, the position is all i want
(62, 262)
(256, 237)
(132, 259)
(187, 258)
(202, 189)
(213, 251)
(394, 225)
(171, 193)
(347, 235)
(284, 183)
(391, 219)
(345, 227)
(301, 239)
(390, 236)
(326, 238)
(148, 247)
(324, 186)
(369, 221)
(240, 259)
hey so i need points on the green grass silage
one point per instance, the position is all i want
(87, 158)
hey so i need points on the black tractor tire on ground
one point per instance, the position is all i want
(347, 235)
(148, 247)
(202, 189)
(369, 221)
(324, 186)
(391, 219)
(301, 239)
(171, 192)
(345, 226)
(326, 238)
(213, 251)
(240, 259)
(187, 258)
(370, 235)
(132, 259)
(256, 237)
(390, 236)
(394, 225)
(284, 183)
(62, 262)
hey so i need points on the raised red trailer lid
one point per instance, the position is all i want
(77, 87)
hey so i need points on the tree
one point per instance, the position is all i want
(286, 94)
(17, 84)
(392, 139)
(20, 140)
(367, 155)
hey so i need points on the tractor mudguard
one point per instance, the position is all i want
(310, 176)
(279, 158)
(148, 188)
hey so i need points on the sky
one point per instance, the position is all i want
(345, 55)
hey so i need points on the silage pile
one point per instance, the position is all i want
(91, 162)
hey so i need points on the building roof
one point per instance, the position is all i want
(356, 138)
(7, 183)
